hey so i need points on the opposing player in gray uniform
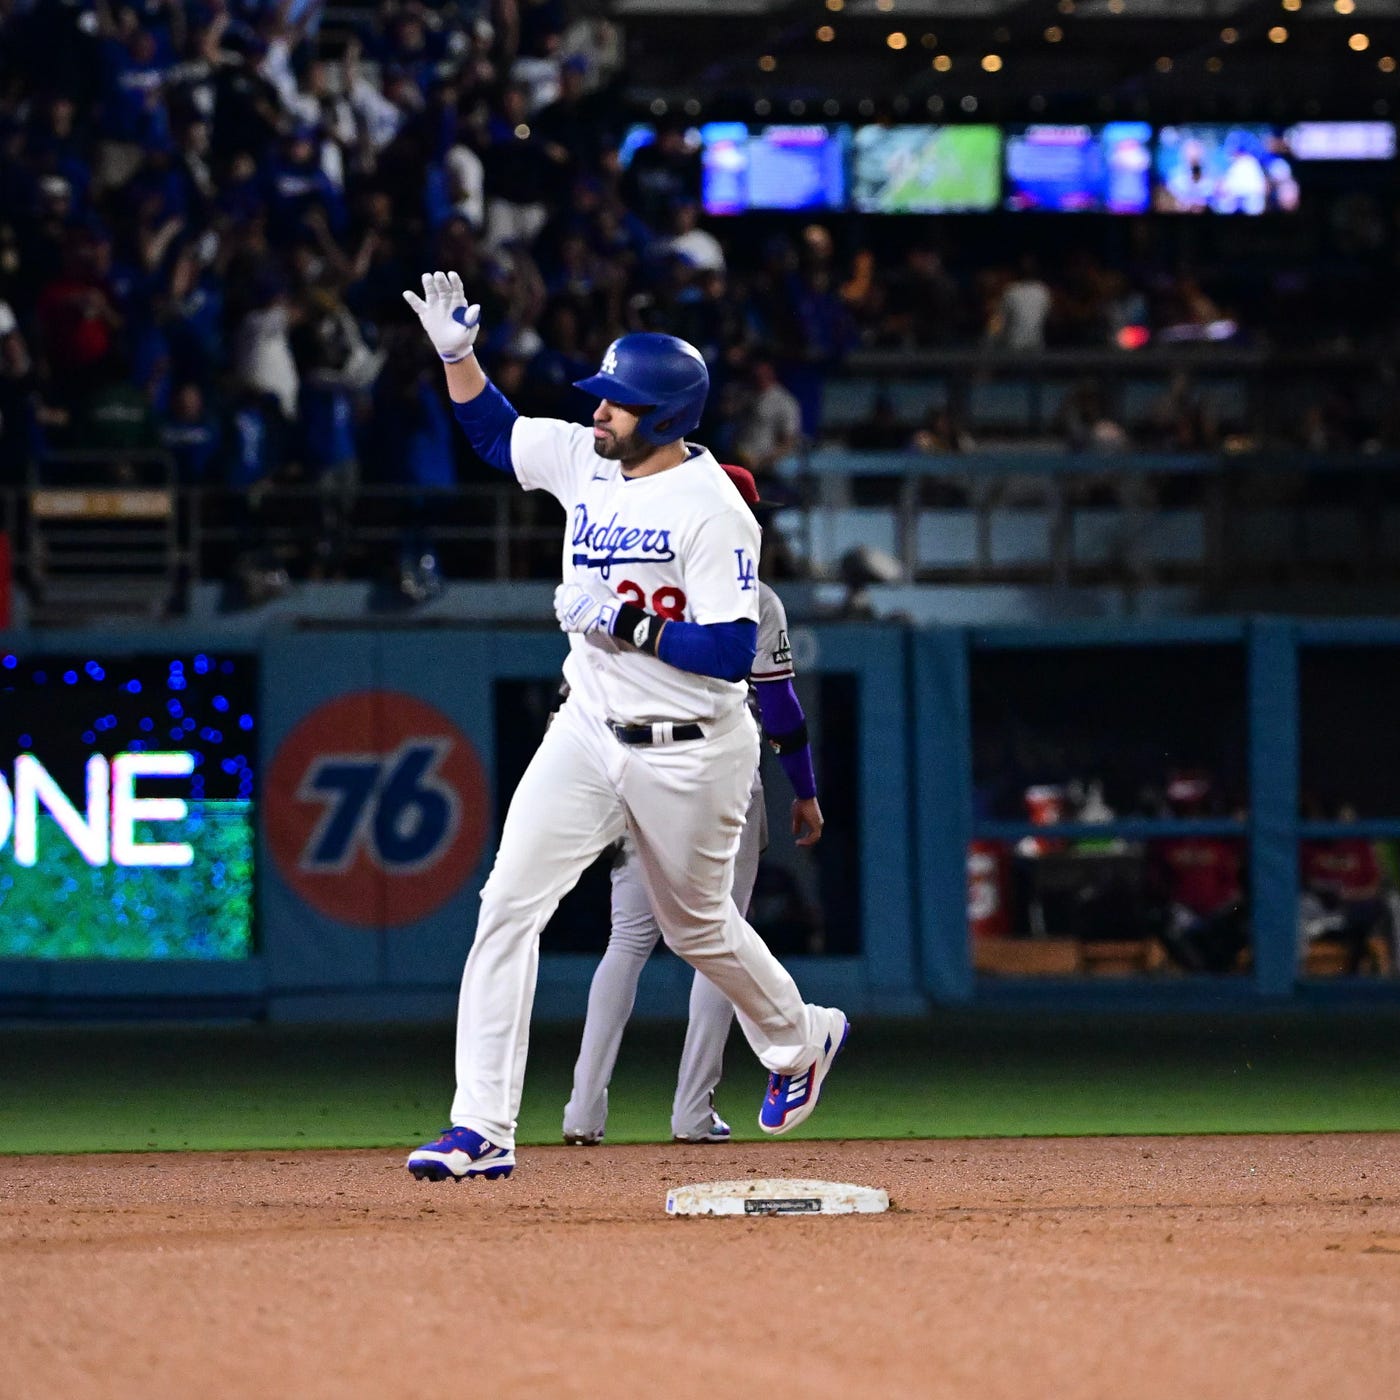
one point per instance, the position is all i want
(635, 931)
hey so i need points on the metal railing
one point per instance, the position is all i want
(1032, 517)
(1055, 516)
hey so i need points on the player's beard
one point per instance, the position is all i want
(621, 449)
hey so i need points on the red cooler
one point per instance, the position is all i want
(988, 912)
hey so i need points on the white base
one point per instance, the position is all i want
(776, 1197)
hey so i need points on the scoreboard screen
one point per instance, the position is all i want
(127, 791)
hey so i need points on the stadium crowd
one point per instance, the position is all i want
(209, 210)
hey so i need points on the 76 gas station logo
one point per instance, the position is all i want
(376, 808)
(395, 808)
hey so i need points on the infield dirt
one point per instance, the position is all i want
(1060, 1269)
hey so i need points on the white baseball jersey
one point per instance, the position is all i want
(680, 543)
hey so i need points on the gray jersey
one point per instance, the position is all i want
(773, 660)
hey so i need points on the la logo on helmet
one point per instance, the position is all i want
(610, 360)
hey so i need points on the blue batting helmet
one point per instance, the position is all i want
(664, 374)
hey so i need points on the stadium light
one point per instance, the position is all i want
(826, 34)
(1163, 64)
(1278, 35)
(768, 63)
(1229, 35)
(1358, 43)
(1386, 65)
(1054, 34)
(897, 39)
(943, 63)
(991, 63)
(1344, 7)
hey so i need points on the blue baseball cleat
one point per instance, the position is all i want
(716, 1130)
(461, 1152)
(792, 1097)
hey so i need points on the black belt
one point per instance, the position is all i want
(667, 733)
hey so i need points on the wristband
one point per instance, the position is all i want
(637, 626)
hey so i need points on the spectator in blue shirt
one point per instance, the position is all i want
(190, 434)
(295, 185)
(134, 116)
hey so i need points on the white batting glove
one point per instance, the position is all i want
(579, 611)
(451, 324)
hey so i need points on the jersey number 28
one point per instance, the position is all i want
(666, 602)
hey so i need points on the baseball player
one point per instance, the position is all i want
(635, 933)
(655, 742)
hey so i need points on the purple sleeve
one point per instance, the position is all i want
(783, 715)
(778, 704)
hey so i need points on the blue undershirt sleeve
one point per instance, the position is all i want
(724, 650)
(487, 421)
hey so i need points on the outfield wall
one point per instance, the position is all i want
(380, 772)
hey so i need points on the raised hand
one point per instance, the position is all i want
(450, 323)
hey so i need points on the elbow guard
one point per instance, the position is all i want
(791, 742)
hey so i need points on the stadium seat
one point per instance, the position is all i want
(1332, 535)
(846, 401)
(1136, 399)
(1165, 537)
(1001, 405)
(1228, 400)
(1020, 538)
(836, 531)
(946, 539)
(1262, 535)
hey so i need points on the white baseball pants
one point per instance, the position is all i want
(683, 806)
(633, 937)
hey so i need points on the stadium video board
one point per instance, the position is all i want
(1340, 141)
(127, 789)
(1220, 168)
(772, 167)
(926, 169)
(1125, 167)
(1079, 169)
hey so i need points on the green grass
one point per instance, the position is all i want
(136, 1088)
